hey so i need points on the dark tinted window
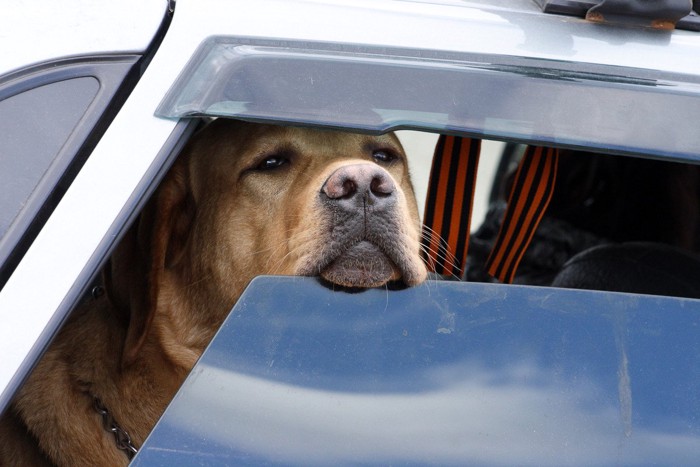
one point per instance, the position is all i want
(36, 125)
(51, 117)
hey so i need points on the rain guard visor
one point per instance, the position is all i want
(375, 89)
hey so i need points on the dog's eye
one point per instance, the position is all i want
(384, 157)
(272, 162)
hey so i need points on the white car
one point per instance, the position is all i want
(97, 99)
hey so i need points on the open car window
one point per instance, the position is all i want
(602, 191)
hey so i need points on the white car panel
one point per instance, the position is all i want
(515, 28)
(35, 31)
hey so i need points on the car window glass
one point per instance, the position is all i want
(447, 361)
(36, 124)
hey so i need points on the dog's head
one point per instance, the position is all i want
(247, 199)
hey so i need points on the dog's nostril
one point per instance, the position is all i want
(339, 186)
(381, 186)
(361, 181)
(349, 189)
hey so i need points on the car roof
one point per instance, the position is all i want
(38, 31)
(500, 27)
(503, 27)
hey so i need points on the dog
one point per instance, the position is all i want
(243, 199)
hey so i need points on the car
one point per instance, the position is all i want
(585, 348)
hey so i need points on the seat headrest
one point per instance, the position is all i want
(634, 267)
(448, 207)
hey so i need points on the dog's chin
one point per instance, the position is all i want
(363, 266)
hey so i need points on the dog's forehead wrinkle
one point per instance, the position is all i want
(383, 142)
(326, 143)
(272, 146)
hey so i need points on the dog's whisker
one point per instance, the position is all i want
(386, 303)
(431, 262)
(440, 254)
(199, 280)
(274, 249)
(432, 236)
(301, 239)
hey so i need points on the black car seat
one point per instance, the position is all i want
(604, 201)
(447, 217)
(635, 267)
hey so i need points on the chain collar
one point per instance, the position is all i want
(121, 437)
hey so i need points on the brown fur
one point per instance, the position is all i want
(214, 223)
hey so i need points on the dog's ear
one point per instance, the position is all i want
(155, 242)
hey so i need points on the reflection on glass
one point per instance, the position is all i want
(445, 373)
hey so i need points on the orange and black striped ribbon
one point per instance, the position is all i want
(448, 207)
(528, 200)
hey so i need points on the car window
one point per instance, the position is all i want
(48, 114)
(590, 113)
(443, 374)
(36, 125)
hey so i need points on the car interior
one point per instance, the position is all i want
(616, 223)
(563, 180)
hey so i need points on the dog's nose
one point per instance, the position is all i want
(360, 184)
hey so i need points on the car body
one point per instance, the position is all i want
(500, 70)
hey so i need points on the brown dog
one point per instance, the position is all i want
(242, 200)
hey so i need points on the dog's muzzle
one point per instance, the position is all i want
(364, 248)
